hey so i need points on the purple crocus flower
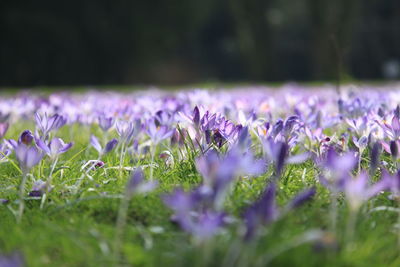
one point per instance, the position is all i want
(205, 225)
(47, 124)
(108, 148)
(178, 137)
(125, 131)
(302, 197)
(277, 153)
(163, 118)
(392, 130)
(338, 168)
(27, 156)
(219, 172)
(194, 218)
(262, 211)
(244, 139)
(180, 201)
(374, 155)
(106, 123)
(13, 260)
(357, 190)
(265, 211)
(359, 125)
(26, 137)
(392, 148)
(196, 116)
(394, 182)
(361, 143)
(39, 187)
(137, 184)
(3, 128)
(55, 147)
(158, 133)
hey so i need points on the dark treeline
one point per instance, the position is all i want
(180, 41)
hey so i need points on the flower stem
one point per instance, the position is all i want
(121, 159)
(52, 170)
(120, 226)
(351, 226)
(359, 161)
(333, 212)
(21, 197)
(152, 152)
(398, 225)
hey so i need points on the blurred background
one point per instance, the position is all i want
(100, 42)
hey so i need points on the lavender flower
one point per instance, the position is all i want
(125, 131)
(47, 124)
(375, 154)
(394, 149)
(337, 168)
(262, 211)
(137, 184)
(277, 153)
(13, 260)
(3, 129)
(27, 156)
(26, 138)
(265, 211)
(196, 116)
(39, 188)
(219, 172)
(394, 183)
(106, 123)
(393, 129)
(357, 190)
(201, 223)
(55, 147)
(302, 197)
(158, 133)
(108, 148)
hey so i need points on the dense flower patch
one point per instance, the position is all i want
(243, 147)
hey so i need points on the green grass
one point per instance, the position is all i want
(79, 229)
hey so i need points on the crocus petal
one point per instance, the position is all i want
(55, 146)
(66, 147)
(110, 145)
(42, 146)
(302, 197)
(33, 157)
(196, 116)
(95, 143)
(3, 129)
(137, 177)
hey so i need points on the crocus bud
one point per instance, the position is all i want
(375, 154)
(397, 112)
(196, 116)
(280, 160)
(394, 150)
(26, 137)
(110, 145)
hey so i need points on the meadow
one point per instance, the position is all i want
(245, 176)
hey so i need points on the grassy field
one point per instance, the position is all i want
(81, 220)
